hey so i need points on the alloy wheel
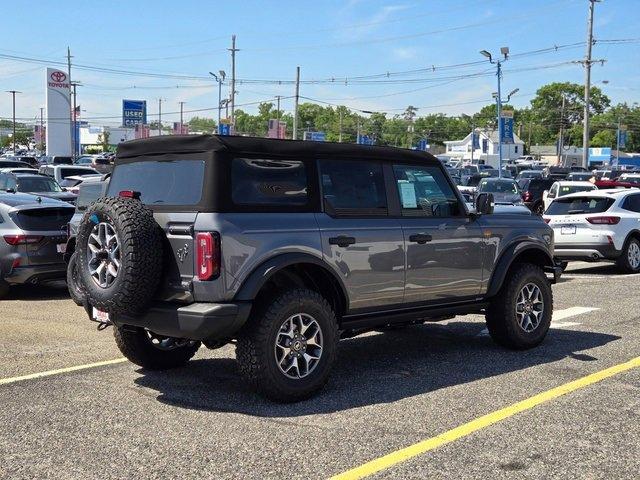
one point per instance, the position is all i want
(529, 307)
(298, 346)
(104, 254)
(633, 255)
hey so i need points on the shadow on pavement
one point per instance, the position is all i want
(372, 369)
(55, 290)
(596, 269)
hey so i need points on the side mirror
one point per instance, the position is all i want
(484, 203)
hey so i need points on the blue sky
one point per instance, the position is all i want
(327, 39)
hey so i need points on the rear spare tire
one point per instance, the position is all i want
(119, 249)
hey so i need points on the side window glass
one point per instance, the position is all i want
(425, 192)
(3, 182)
(632, 203)
(11, 183)
(268, 182)
(354, 186)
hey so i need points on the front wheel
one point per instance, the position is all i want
(287, 349)
(152, 351)
(629, 261)
(519, 316)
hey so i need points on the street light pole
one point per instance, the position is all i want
(13, 96)
(498, 63)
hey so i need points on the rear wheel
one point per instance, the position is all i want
(520, 314)
(287, 349)
(76, 291)
(4, 289)
(152, 351)
(629, 261)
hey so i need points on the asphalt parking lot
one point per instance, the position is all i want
(389, 391)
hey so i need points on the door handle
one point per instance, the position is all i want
(420, 238)
(342, 241)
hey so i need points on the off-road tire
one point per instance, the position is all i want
(255, 346)
(140, 239)
(4, 289)
(623, 260)
(76, 290)
(501, 317)
(137, 348)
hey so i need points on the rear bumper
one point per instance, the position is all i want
(586, 252)
(36, 273)
(197, 321)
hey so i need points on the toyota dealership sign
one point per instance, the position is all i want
(58, 129)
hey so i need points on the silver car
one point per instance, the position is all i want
(34, 235)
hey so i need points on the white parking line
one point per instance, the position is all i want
(557, 316)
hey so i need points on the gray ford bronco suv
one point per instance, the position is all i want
(284, 247)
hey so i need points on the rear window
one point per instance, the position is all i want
(268, 182)
(41, 219)
(62, 160)
(579, 205)
(70, 172)
(160, 182)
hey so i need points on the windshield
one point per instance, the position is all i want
(38, 184)
(579, 205)
(166, 182)
(498, 186)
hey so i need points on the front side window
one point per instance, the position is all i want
(354, 186)
(269, 182)
(425, 192)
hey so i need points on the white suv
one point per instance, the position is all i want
(598, 225)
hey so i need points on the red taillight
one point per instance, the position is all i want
(129, 194)
(21, 239)
(546, 220)
(603, 220)
(526, 196)
(207, 255)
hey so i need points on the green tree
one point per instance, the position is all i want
(201, 124)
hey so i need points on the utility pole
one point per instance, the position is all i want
(233, 51)
(71, 113)
(74, 123)
(587, 86)
(41, 129)
(219, 78)
(278, 114)
(181, 110)
(473, 137)
(618, 143)
(160, 116)
(295, 110)
(13, 96)
(340, 134)
(561, 133)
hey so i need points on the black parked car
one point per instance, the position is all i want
(532, 189)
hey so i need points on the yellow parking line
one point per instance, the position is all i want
(479, 423)
(59, 371)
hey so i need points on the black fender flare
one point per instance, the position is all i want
(261, 274)
(508, 256)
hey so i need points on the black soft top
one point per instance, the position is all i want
(175, 144)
